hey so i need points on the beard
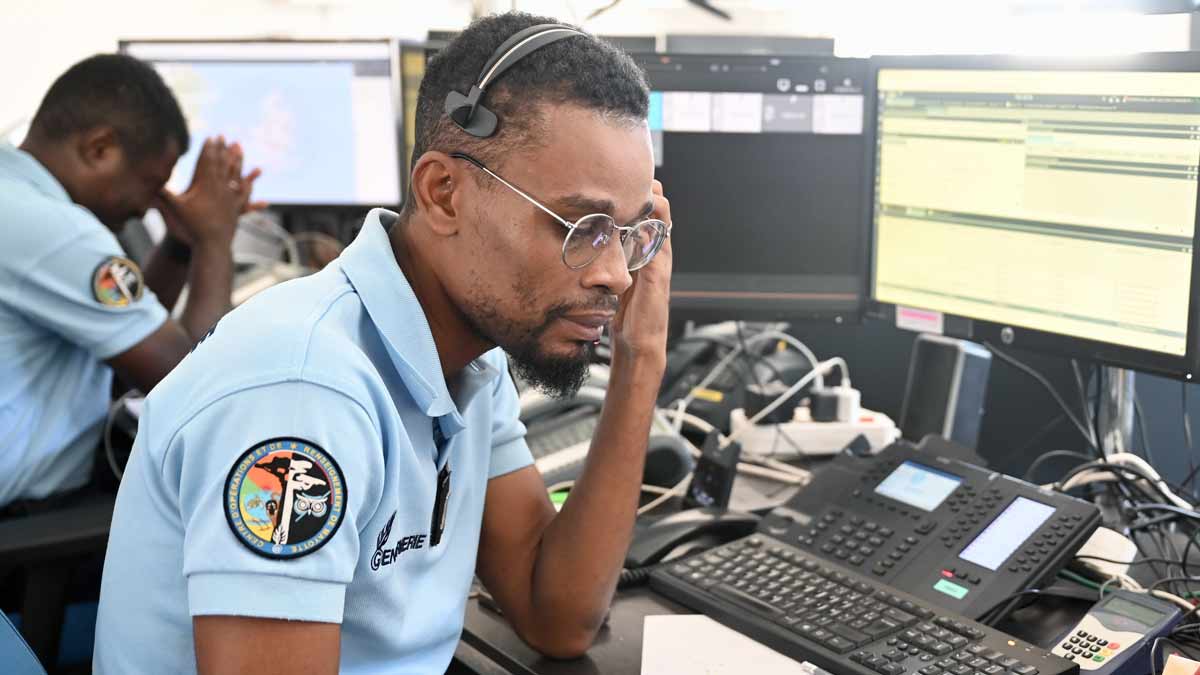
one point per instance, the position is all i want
(557, 376)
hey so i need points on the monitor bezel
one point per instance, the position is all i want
(718, 309)
(1006, 335)
(397, 105)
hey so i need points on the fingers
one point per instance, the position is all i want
(210, 165)
(165, 199)
(234, 162)
(246, 188)
(662, 206)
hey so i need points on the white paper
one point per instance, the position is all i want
(693, 644)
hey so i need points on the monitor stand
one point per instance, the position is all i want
(1116, 410)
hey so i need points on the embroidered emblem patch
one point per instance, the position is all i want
(285, 498)
(117, 282)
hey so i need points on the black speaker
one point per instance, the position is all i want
(947, 382)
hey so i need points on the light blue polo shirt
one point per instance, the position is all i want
(68, 301)
(288, 469)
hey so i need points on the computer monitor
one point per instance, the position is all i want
(322, 119)
(763, 160)
(1044, 205)
(413, 57)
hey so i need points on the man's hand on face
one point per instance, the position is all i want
(208, 210)
(639, 330)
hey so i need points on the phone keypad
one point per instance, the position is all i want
(1083, 646)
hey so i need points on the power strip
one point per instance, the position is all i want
(804, 437)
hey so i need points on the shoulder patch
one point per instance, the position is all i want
(285, 498)
(117, 282)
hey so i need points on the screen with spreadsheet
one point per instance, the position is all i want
(1062, 201)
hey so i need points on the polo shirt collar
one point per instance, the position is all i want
(21, 164)
(370, 265)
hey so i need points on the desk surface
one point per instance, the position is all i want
(618, 648)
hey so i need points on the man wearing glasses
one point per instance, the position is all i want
(313, 489)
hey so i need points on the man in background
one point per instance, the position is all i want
(74, 309)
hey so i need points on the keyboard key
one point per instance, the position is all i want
(855, 636)
(742, 598)
(902, 618)
(839, 644)
(881, 627)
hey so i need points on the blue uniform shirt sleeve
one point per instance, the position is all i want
(509, 449)
(58, 290)
(225, 574)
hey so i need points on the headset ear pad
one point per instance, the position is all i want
(482, 124)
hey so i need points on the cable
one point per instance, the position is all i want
(1187, 436)
(109, 452)
(1186, 513)
(1088, 418)
(634, 577)
(1141, 425)
(1187, 424)
(1005, 607)
(1129, 463)
(791, 391)
(1142, 561)
(1079, 579)
(1037, 463)
(678, 489)
(1048, 387)
(784, 473)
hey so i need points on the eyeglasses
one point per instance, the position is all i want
(587, 237)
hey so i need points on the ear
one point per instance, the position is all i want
(99, 149)
(437, 179)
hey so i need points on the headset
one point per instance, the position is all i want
(468, 112)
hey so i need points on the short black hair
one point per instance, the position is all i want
(116, 90)
(581, 70)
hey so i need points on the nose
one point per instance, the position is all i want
(609, 270)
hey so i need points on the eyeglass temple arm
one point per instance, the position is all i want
(514, 188)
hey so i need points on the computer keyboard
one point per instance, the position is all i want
(839, 620)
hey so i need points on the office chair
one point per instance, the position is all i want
(16, 656)
(48, 548)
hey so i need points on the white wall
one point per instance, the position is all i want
(44, 37)
(40, 40)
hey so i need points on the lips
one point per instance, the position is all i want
(588, 326)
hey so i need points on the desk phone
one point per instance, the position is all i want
(954, 534)
(1115, 635)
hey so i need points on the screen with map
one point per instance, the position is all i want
(319, 118)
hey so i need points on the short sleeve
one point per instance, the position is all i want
(509, 449)
(274, 484)
(88, 292)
